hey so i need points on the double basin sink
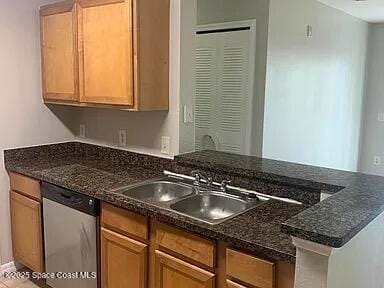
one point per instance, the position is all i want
(200, 202)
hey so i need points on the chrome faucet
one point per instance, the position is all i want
(200, 178)
(224, 184)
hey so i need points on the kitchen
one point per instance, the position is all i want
(130, 89)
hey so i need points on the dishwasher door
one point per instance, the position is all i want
(70, 246)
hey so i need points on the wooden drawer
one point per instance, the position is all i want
(25, 185)
(171, 272)
(231, 284)
(124, 221)
(250, 270)
(185, 245)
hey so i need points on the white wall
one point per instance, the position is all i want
(374, 103)
(144, 129)
(24, 119)
(187, 72)
(359, 263)
(218, 11)
(315, 86)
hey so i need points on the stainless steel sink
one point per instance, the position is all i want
(198, 202)
(158, 191)
(213, 207)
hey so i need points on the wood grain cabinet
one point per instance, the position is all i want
(185, 245)
(245, 270)
(172, 272)
(124, 261)
(59, 52)
(137, 252)
(106, 53)
(26, 222)
(254, 272)
(124, 248)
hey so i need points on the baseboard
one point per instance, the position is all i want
(8, 267)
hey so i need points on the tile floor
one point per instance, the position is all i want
(21, 283)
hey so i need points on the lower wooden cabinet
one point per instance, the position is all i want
(124, 261)
(249, 269)
(27, 236)
(172, 272)
(136, 251)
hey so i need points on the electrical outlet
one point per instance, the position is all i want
(82, 131)
(377, 160)
(123, 138)
(188, 114)
(185, 113)
(165, 143)
(309, 31)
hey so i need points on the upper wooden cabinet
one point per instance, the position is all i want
(106, 52)
(59, 52)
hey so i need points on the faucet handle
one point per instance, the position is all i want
(195, 172)
(224, 185)
(198, 175)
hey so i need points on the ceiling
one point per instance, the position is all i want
(368, 10)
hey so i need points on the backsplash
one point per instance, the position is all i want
(144, 130)
(116, 161)
(305, 196)
(108, 159)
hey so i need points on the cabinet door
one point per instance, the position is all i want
(58, 24)
(106, 51)
(27, 236)
(174, 273)
(123, 260)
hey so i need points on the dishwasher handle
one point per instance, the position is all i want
(72, 199)
(65, 195)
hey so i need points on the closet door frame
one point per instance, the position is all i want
(252, 59)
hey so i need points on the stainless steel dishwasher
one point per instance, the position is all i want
(70, 230)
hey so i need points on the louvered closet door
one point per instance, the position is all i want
(206, 87)
(233, 73)
(222, 104)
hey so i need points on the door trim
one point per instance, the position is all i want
(251, 23)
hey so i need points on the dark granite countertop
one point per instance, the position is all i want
(357, 198)
(95, 171)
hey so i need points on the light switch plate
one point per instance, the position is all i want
(380, 116)
(165, 143)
